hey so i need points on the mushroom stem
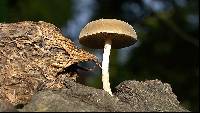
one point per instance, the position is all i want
(105, 66)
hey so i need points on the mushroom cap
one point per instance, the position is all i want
(94, 34)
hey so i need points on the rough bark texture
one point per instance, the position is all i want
(35, 56)
(38, 69)
(131, 96)
(6, 107)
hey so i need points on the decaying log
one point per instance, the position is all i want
(35, 56)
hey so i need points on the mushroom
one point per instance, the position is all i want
(103, 33)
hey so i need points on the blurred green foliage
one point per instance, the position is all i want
(168, 41)
(54, 11)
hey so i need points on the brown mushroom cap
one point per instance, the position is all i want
(95, 33)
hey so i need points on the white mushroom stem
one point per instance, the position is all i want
(105, 66)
